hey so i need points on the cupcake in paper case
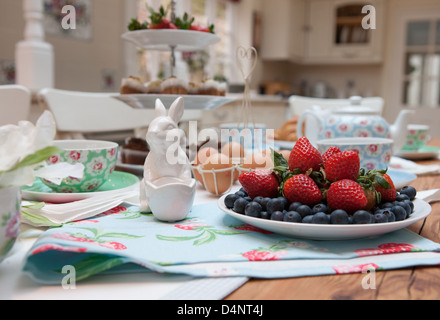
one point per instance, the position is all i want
(173, 85)
(154, 87)
(132, 85)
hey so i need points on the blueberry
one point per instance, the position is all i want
(401, 197)
(304, 210)
(320, 207)
(292, 216)
(276, 204)
(262, 201)
(411, 192)
(411, 204)
(339, 216)
(294, 205)
(253, 209)
(230, 199)
(248, 198)
(264, 215)
(240, 205)
(243, 190)
(390, 215)
(321, 218)
(399, 212)
(241, 194)
(406, 206)
(307, 219)
(362, 217)
(387, 205)
(277, 216)
(380, 218)
(286, 202)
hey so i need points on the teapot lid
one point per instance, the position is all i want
(356, 108)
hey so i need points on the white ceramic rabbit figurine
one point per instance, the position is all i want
(167, 189)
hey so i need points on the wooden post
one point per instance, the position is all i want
(34, 57)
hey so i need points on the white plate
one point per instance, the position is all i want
(330, 231)
(184, 40)
(401, 178)
(192, 102)
(118, 182)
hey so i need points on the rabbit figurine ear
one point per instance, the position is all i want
(160, 110)
(176, 110)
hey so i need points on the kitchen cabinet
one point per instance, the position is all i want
(322, 31)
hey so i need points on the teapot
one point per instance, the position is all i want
(352, 121)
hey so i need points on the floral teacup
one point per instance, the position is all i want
(99, 160)
(416, 137)
(374, 153)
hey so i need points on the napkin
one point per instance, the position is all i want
(209, 243)
(412, 167)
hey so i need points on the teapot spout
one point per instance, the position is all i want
(398, 129)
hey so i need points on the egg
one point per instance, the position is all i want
(217, 172)
(233, 150)
(204, 154)
(285, 154)
(201, 157)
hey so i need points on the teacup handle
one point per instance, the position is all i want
(312, 131)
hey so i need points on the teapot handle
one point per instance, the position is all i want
(312, 130)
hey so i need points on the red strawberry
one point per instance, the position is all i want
(347, 195)
(342, 165)
(262, 183)
(387, 191)
(303, 189)
(330, 151)
(304, 156)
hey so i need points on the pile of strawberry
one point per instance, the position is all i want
(159, 20)
(328, 183)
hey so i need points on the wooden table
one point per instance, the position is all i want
(405, 284)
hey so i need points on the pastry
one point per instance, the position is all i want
(154, 86)
(173, 85)
(132, 85)
(134, 151)
(287, 132)
(209, 87)
(193, 88)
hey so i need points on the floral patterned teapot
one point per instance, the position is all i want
(352, 121)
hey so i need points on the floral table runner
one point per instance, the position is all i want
(210, 244)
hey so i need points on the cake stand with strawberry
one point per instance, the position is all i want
(172, 34)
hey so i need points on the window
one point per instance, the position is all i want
(421, 87)
(212, 62)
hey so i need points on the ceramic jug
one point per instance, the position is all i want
(354, 120)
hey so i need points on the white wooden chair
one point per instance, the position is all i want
(15, 104)
(298, 104)
(80, 113)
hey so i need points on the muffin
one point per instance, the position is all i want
(154, 87)
(174, 85)
(193, 88)
(134, 151)
(209, 87)
(132, 85)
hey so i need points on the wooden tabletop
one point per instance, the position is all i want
(404, 284)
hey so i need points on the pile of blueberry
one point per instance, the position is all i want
(279, 209)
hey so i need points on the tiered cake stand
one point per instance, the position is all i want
(172, 40)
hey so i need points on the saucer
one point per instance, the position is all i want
(117, 183)
(426, 152)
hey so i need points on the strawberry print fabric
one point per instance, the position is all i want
(209, 243)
